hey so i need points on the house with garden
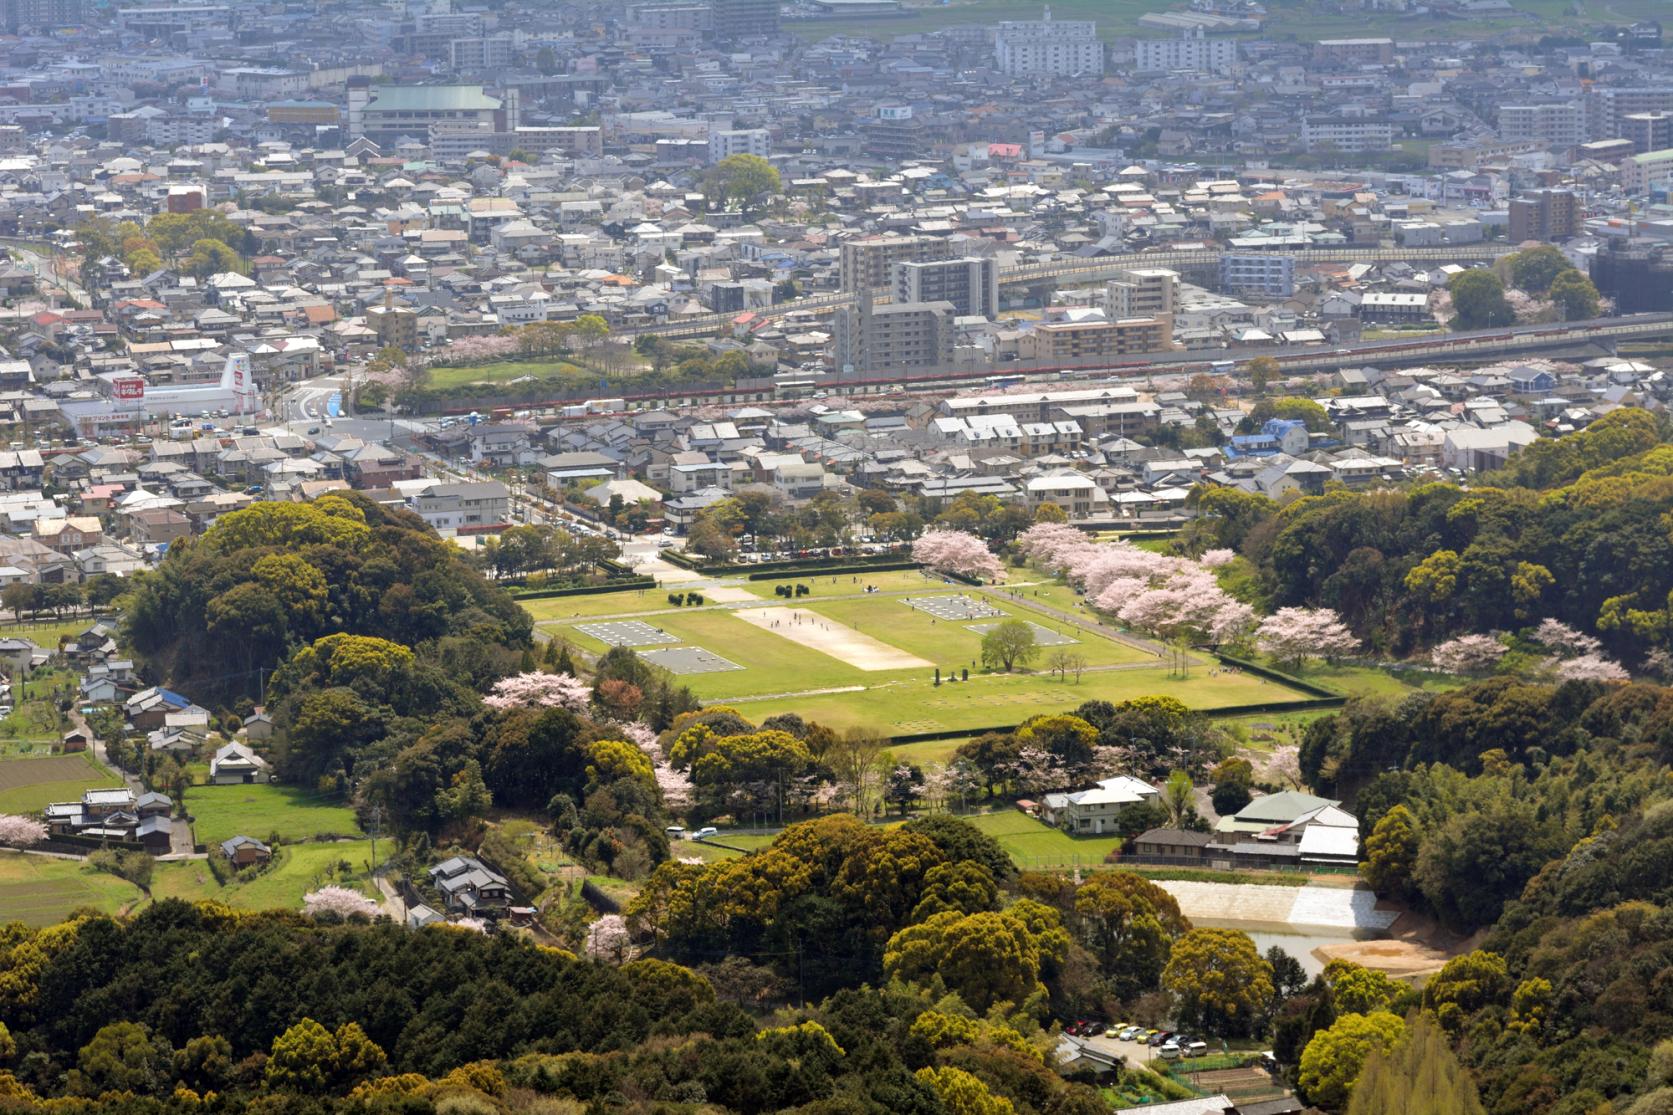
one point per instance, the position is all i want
(1096, 810)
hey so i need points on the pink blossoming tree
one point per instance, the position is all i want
(1294, 634)
(1591, 667)
(1467, 654)
(339, 900)
(955, 551)
(537, 690)
(20, 832)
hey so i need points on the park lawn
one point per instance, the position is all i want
(627, 602)
(221, 812)
(1048, 593)
(954, 644)
(41, 890)
(773, 663)
(702, 850)
(443, 378)
(1032, 844)
(907, 707)
(930, 753)
(1374, 681)
(299, 868)
(19, 793)
(748, 841)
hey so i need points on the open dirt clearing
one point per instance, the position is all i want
(814, 631)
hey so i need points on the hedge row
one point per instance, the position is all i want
(1300, 705)
(584, 590)
(788, 565)
(1278, 676)
(831, 571)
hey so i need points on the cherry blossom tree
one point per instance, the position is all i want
(478, 350)
(1555, 635)
(1467, 654)
(21, 832)
(538, 690)
(1591, 667)
(955, 551)
(1047, 543)
(1293, 634)
(338, 900)
(608, 939)
(1213, 559)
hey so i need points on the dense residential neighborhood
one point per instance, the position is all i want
(836, 557)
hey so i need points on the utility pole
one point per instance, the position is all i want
(376, 819)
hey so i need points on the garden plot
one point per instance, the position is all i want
(626, 633)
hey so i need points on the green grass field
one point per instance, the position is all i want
(631, 602)
(300, 869)
(40, 890)
(780, 674)
(221, 812)
(1370, 681)
(443, 378)
(848, 584)
(1033, 844)
(28, 785)
(907, 707)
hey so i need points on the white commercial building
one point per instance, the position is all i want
(1049, 48)
(741, 141)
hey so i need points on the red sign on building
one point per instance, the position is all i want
(129, 387)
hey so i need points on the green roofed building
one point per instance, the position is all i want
(387, 113)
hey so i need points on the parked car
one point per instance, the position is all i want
(1169, 1052)
(1160, 1037)
(1131, 1033)
(705, 832)
(1197, 1048)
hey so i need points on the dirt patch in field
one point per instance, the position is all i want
(17, 773)
(827, 636)
(727, 594)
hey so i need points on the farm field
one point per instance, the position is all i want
(41, 890)
(221, 812)
(29, 785)
(300, 869)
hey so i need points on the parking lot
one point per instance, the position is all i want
(1134, 1052)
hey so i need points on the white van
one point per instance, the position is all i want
(675, 832)
(705, 832)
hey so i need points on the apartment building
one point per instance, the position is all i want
(1346, 133)
(723, 144)
(895, 335)
(1545, 215)
(1647, 131)
(1193, 50)
(1269, 274)
(971, 285)
(1562, 124)
(1049, 48)
(742, 19)
(1141, 292)
(1074, 341)
(1379, 52)
(871, 263)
